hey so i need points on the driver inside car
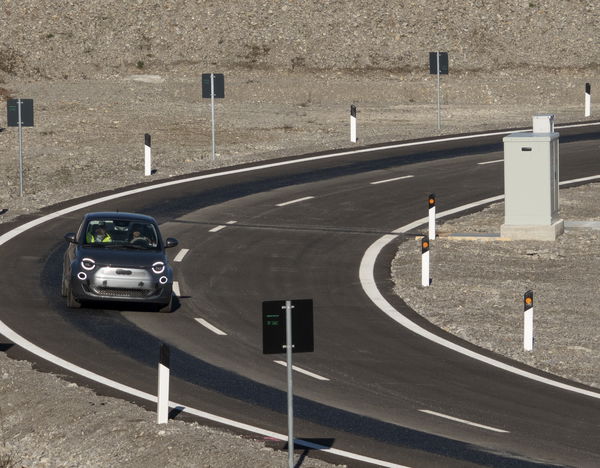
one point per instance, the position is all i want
(98, 234)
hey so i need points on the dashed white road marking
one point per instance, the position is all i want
(490, 162)
(217, 228)
(211, 327)
(302, 371)
(464, 421)
(231, 222)
(391, 180)
(182, 253)
(298, 200)
(176, 289)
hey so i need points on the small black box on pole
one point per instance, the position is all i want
(12, 111)
(274, 326)
(219, 85)
(433, 68)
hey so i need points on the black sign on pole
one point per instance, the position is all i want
(433, 63)
(219, 79)
(274, 323)
(12, 112)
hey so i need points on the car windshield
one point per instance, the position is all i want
(121, 233)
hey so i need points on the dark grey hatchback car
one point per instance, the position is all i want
(118, 257)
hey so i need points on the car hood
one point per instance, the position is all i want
(121, 257)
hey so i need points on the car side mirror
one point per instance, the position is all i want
(171, 242)
(70, 237)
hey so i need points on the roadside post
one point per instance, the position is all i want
(425, 279)
(213, 87)
(353, 123)
(431, 205)
(588, 100)
(20, 114)
(528, 321)
(164, 365)
(438, 65)
(147, 154)
(288, 327)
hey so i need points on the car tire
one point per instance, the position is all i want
(72, 303)
(168, 307)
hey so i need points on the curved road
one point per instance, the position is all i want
(300, 230)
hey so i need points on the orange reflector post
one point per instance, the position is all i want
(425, 244)
(528, 300)
(431, 200)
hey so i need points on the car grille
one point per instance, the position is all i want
(122, 292)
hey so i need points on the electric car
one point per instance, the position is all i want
(118, 257)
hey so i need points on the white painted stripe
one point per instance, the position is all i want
(176, 289)
(212, 328)
(302, 371)
(231, 222)
(391, 180)
(298, 200)
(464, 421)
(182, 253)
(367, 279)
(218, 228)
(491, 162)
(576, 181)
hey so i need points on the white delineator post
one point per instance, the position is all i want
(290, 393)
(163, 384)
(147, 154)
(431, 205)
(528, 321)
(588, 100)
(353, 123)
(425, 280)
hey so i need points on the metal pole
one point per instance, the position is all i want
(290, 402)
(212, 110)
(20, 149)
(438, 90)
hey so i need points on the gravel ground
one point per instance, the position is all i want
(477, 287)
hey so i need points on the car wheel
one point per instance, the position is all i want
(71, 301)
(168, 307)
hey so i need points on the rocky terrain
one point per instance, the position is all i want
(104, 73)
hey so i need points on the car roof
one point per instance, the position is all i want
(119, 215)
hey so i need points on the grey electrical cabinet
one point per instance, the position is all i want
(531, 186)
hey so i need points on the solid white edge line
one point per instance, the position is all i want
(464, 421)
(182, 253)
(490, 162)
(22, 342)
(367, 280)
(303, 371)
(176, 289)
(391, 180)
(217, 228)
(298, 200)
(211, 327)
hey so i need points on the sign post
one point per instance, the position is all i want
(213, 86)
(292, 332)
(438, 65)
(20, 114)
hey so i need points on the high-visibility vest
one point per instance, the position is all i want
(90, 238)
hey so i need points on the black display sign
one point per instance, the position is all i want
(433, 67)
(274, 326)
(12, 112)
(219, 85)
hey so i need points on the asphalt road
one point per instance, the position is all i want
(300, 231)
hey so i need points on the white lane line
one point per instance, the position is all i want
(391, 180)
(464, 421)
(298, 200)
(490, 162)
(218, 228)
(182, 253)
(212, 328)
(302, 371)
(231, 222)
(367, 280)
(176, 289)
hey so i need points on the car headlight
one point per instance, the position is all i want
(88, 264)
(158, 267)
